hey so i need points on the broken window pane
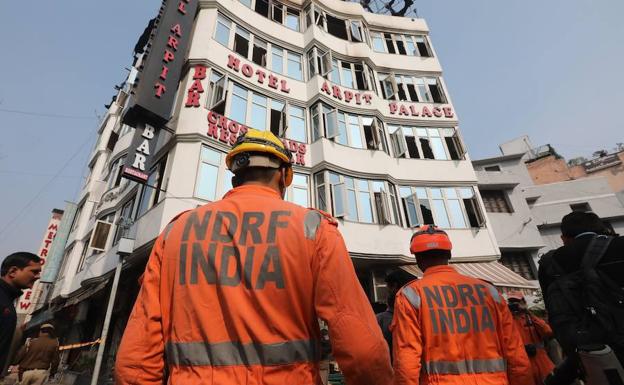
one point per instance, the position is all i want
(278, 12)
(389, 43)
(259, 52)
(426, 148)
(400, 45)
(241, 42)
(360, 79)
(423, 50)
(336, 27)
(435, 90)
(262, 7)
(412, 148)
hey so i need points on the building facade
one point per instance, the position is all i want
(360, 100)
(526, 213)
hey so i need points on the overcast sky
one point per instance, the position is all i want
(550, 69)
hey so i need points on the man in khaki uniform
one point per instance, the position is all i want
(39, 358)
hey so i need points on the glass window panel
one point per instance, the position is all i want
(411, 48)
(211, 156)
(407, 131)
(342, 129)
(433, 132)
(292, 21)
(296, 128)
(339, 202)
(300, 196)
(277, 60)
(347, 75)
(259, 115)
(334, 178)
(320, 193)
(349, 182)
(466, 192)
(457, 214)
(301, 180)
(362, 185)
(238, 109)
(441, 217)
(450, 193)
(247, 3)
(207, 185)
(335, 73)
(378, 186)
(448, 131)
(222, 34)
(352, 209)
(319, 178)
(378, 43)
(436, 193)
(392, 129)
(421, 193)
(421, 132)
(366, 208)
(405, 192)
(227, 181)
(294, 66)
(438, 148)
(355, 132)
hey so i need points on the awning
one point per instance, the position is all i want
(40, 318)
(85, 293)
(493, 272)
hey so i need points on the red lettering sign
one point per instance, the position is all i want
(416, 110)
(348, 96)
(247, 70)
(227, 131)
(196, 89)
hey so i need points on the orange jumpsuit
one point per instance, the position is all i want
(534, 330)
(232, 294)
(453, 329)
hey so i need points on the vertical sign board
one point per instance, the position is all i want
(159, 76)
(26, 302)
(154, 94)
(57, 251)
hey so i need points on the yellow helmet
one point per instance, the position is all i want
(262, 149)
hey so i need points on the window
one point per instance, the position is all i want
(115, 173)
(298, 191)
(76, 218)
(409, 88)
(400, 44)
(222, 33)
(218, 93)
(519, 263)
(492, 168)
(251, 47)
(581, 207)
(151, 192)
(267, 114)
(84, 253)
(352, 75)
(360, 200)
(213, 178)
(426, 143)
(125, 219)
(336, 27)
(112, 140)
(278, 10)
(102, 229)
(350, 130)
(495, 201)
(351, 30)
(448, 207)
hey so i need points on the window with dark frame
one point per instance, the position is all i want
(495, 201)
(583, 207)
(519, 263)
(492, 168)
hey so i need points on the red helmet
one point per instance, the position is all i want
(429, 237)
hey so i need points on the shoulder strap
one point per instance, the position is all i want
(595, 251)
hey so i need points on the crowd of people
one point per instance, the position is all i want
(234, 290)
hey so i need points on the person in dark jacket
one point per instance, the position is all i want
(394, 282)
(577, 231)
(18, 271)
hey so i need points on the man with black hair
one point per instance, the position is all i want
(451, 329)
(19, 271)
(395, 280)
(582, 283)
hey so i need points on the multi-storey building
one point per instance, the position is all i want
(358, 97)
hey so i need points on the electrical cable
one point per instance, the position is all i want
(46, 115)
(44, 187)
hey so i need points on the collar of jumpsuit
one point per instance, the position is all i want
(252, 189)
(439, 269)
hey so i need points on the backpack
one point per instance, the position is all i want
(586, 307)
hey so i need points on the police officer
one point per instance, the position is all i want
(233, 290)
(452, 329)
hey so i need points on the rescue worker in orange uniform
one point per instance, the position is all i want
(452, 329)
(535, 332)
(233, 290)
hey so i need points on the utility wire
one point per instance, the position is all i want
(45, 186)
(46, 115)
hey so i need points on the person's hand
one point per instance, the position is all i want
(13, 369)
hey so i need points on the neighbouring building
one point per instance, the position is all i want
(526, 214)
(358, 97)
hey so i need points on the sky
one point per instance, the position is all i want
(548, 69)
